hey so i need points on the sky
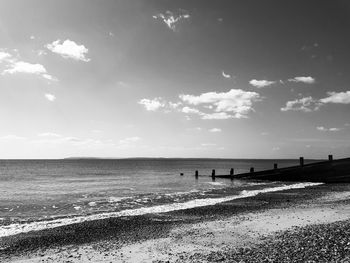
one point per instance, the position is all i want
(174, 78)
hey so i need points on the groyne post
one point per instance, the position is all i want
(301, 161)
(231, 173)
(213, 173)
(330, 157)
(275, 166)
(196, 174)
(252, 169)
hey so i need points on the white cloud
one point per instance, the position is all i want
(49, 134)
(337, 97)
(306, 104)
(217, 116)
(208, 144)
(4, 56)
(69, 49)
(32, 37)
(50, 97)
(130, 140)
(174, 105)
(25, 67)
(307, 80)
(28, 68)
(190, 110)
(152, 105)
(261, 83)
(227, 76)
(170, 19)
(11, 137)
(49, 77)
(321, 128)
(41, 52)
(215, 130)
(235, 101)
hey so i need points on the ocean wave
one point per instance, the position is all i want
(17, 228)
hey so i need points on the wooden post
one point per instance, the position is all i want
(252, 169)
(181, 174)
(301, 161)
(213, 173)
(330, 157)
(231, 173)
(275, 166)
(196, 174)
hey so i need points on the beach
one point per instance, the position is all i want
(306, 224)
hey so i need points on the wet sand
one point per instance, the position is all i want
(267, 226)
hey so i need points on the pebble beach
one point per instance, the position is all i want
(297, 225)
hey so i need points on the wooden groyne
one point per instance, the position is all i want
(331, 171)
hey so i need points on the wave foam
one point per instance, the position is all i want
(15, 229)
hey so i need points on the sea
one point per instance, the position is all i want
(42, 194)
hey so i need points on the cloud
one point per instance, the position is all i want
(41, 52)
(306, 104)
(307, 80)
(49, 77)
(4, 56)
(174, 105)
(337, 97)
(49, 134)
(32, 37)
(190, 110)
(15, 66)
(50, 97)
(130, 140)
(217, 116)
(215, 130)
(11, 137)
(236, 101)
(261, 83)
(321, 128)
(171, 19)
(69, 49)
(227, 76)
(25, 67)
(152, 105)
(28, 68)
(208, 144)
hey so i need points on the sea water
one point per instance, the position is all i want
(40, 194)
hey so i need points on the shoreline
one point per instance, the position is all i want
(184, 234)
